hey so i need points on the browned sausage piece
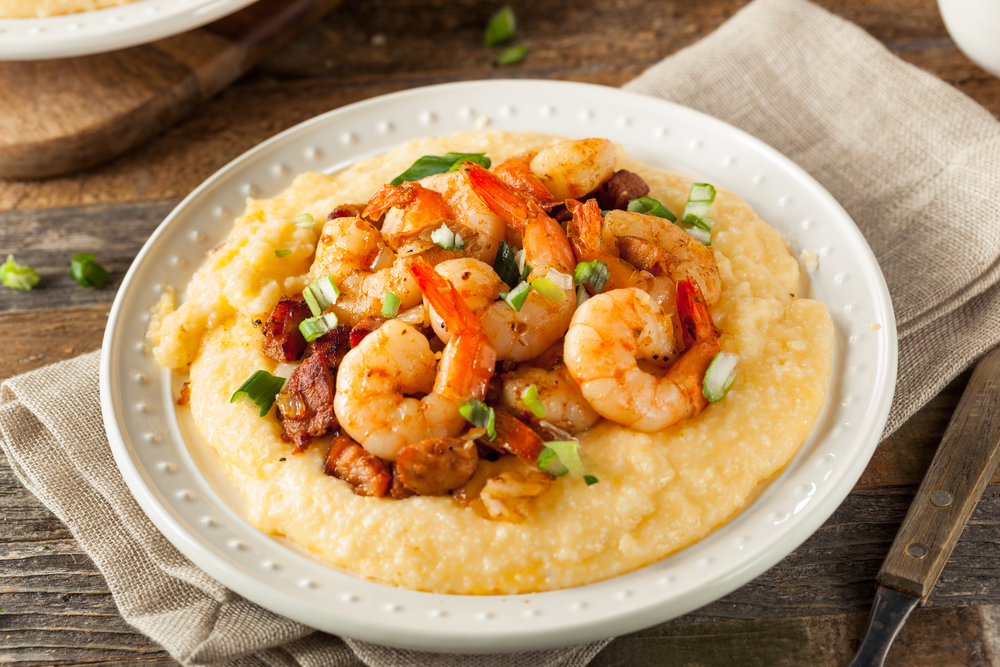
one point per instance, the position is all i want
(365, 327)
(282, 339)
(397, 490)
(346, 211)
(436, 466)
(349, 461)
(515, 437)
(620, 189)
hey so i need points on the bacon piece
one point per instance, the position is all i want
(397, 490)
(515, 437)
(365, 327)
(620, 189)
(282, 339)
(346, 211)
(305, 405)
(436, 466)
(349, 461)
(185, 396)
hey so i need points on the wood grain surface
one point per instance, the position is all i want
(810, 609)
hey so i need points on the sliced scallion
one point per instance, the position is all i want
(480, 415)
(511, 55)
(581, 295)
(321, 294)
(86, 271)
(548, 289)
(594, 273)
(696, 212)
(570, 456)
(18, 276)
(501, 26)
(429, 165)
(283, 253)
(447, 239)
(261, 388)
(533, 401)
(650, 206)
(719, 376)
(305, 220)
(314, 327)
(505, 265)
(548, 461)
(390, 305)
(517, 296)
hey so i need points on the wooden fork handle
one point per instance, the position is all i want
(963, 465)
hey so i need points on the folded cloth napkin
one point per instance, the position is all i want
(912, 160)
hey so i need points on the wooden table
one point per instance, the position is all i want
(810, 609)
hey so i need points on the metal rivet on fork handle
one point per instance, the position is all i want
(917, 550)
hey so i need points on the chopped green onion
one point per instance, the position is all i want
(18, 276)
(581, 295)
(568, 456)
(282, 253)
(695, 217)
(305, 220)
(447, 239)
(511, 55)
(700, 234)
(390, 305)
(505, 265)
(526, 271)
(719, 376)
(517, 296)
(594, 274)
(86, 271)
(650, 206)
(314, 327)
(561, 280)
(429, 165)
(501, 26)
(480, 415)
(548, 289)
(321, 294)
(532, 400)
(260, 389)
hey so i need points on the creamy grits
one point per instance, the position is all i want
(30, 9)
(657, 492)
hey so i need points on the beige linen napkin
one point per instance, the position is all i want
(914, 162)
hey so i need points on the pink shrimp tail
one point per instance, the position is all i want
(696, 320)
(514, 208)
(389, 196)
(516, 172)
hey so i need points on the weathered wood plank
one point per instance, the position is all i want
(33, 339)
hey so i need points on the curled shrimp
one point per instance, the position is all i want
(611, 332)
(352, 251)
(374, 378)
(416, 209)
(565, 406)
(516, 172)
(571, 169)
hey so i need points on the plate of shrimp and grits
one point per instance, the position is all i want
(371, 500)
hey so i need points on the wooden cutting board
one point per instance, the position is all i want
(60, 116)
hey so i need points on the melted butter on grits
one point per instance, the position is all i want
(29, 9)
(657, 493)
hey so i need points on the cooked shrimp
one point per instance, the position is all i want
(565, 406)
(611, 332)
(395, 360)
(516, 172)
(571, 169)
(688, 257)
(420, 208)
(353, 252)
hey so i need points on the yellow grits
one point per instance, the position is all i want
(30, 9)
(657, 493)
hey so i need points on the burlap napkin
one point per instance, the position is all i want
(913, 161)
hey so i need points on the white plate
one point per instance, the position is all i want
(189, 504)
(84, 33)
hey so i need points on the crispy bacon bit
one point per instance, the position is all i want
(282, 339)
(346, 211)
(185, 395)
(365, 327)
(436, 466)
(515, 437)
(333, 345)
(349, 461)
(508, 496)
(620, 189)
(397, 490)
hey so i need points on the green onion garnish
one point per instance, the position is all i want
(650, 206)
(314, 327)
(548, 289)
(505, 265)
(719, 376)
(390, 305)
(566, 456)
(429, 165)
(87, 272)
(511, 55)
(282, 253)
(260, 389)
(695, 217)
(321, 294)
(480, 415)
(581, 295)
(594, 274)
(534, 403)
(447, 239)
(517, 296)
(18, 276)
(305, 220)
(501, 26)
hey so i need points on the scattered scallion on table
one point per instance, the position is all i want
(500, 27)
(85, 270)
(511, 55)
(18, 276)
